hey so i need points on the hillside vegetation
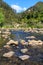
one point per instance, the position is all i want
(7, 14)
(32, 17)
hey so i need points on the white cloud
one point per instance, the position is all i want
(18, 8)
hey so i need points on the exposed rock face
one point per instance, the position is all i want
(24, 50)
(9, 54)
(12, 42)
(24, 57)
(35, 43)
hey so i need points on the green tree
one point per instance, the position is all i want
(1, 19)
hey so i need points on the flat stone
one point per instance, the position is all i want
(24, 50)
(12, 42)
(24, 57)
(9, 54)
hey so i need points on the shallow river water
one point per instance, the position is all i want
(33, 52)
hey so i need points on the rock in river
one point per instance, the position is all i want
(6, 46)
(35, 42)
(12, 42)
(24, 57)
(8, 54)
(23, 42)
(24, 50)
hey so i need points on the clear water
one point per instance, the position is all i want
(21, 35)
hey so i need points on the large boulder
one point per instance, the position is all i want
(8, 54)
(12, 42)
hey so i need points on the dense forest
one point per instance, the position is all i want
(32, 17)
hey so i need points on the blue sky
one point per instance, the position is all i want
(21, 5)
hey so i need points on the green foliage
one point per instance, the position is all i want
(7, 12)
(1, 19)
(32, 17)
